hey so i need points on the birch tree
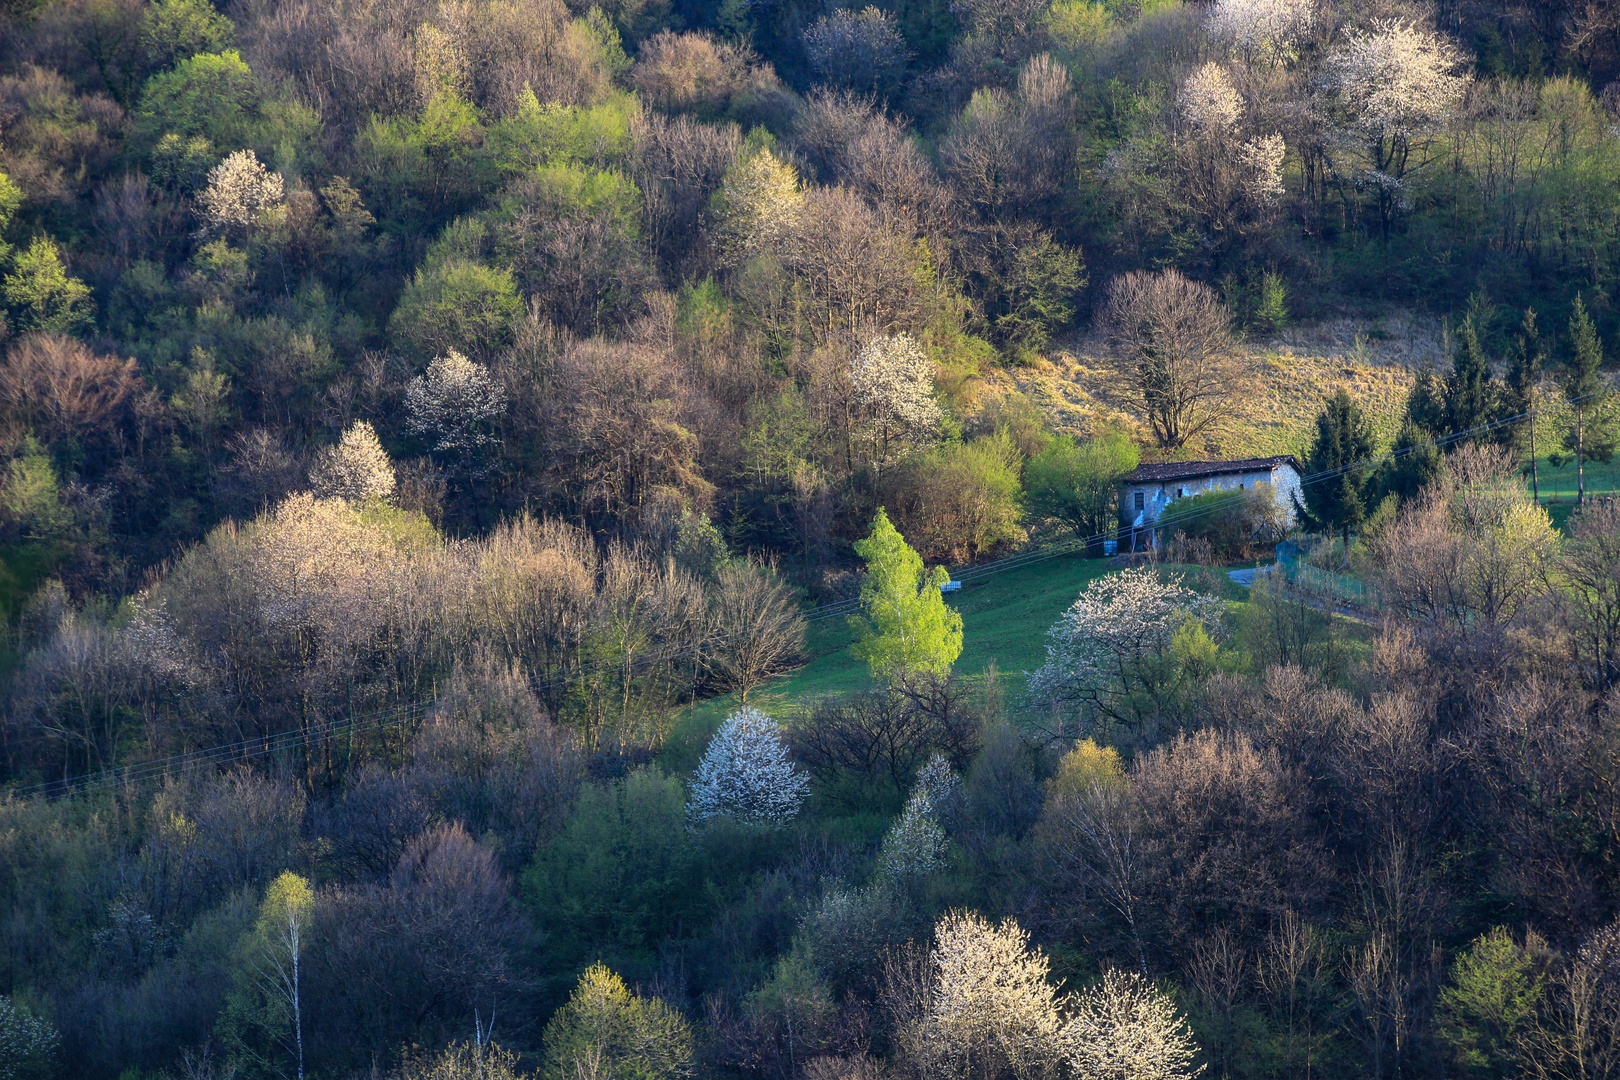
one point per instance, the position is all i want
(907, 626)
(264, 1011)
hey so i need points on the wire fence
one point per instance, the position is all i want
(1302, 574)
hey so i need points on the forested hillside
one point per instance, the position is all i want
(429, 432)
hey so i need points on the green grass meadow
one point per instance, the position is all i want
(1004, 622)
(1557, 485)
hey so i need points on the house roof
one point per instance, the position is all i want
(1191, 470)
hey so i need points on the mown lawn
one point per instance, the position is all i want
(1557, 486)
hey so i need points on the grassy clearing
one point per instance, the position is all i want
(1285, 385)
(1004, 622)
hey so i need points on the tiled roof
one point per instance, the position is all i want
(1190, 470)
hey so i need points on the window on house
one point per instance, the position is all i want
(1141, 500)
(1181, 493)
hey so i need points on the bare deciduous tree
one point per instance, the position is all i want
(1591, 566)
(857, 50)
(757, 631)
(59, 384)
(1175, 336)
(677, 163)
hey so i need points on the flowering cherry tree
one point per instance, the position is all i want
(1224, 176)
(453, 405)
(990, 1009)
(240, 190)
(1111, 651)
(915, 844)
(746, 773)
(892, 380)
(1125, 1028)
(1260, 31)
(1208, 100)
(357, 468)
(756, 208)
(1398, 85)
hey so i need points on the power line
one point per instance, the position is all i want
(394, 716)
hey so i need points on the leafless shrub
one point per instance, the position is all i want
(59, 385)
(693, 72)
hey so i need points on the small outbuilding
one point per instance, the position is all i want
(1147, 491)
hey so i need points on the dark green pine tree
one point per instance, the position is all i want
(1426, 402)
(1469, 389)
(1414, 462)
(1585, 389)
(1338, 499)
(1525, 365)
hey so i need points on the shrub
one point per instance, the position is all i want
(1236, 523)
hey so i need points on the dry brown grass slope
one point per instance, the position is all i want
(1284, 382)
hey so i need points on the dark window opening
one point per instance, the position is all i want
(1141, 500)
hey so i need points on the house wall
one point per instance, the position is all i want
(1158, 495)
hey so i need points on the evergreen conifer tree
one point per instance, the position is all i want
(1426, 402)
(1343, 443)
(1470, 387)
(1587, 438)
(1414, 462)
(1524, 376)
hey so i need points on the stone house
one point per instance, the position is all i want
(1147, 491)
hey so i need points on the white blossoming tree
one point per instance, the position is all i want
(1260, 31)
(1230, 180)
(240, 190)
(28, 1044)
(454, 405)
(356, 469)
(857, 50)
(756, 208)
(1112, 652)
(1262, 160)
(746, 773)
(990, 1009)
(1125, 1028)
(1208, 100)
(892, 384)
(1397, 84)
(914, 846)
